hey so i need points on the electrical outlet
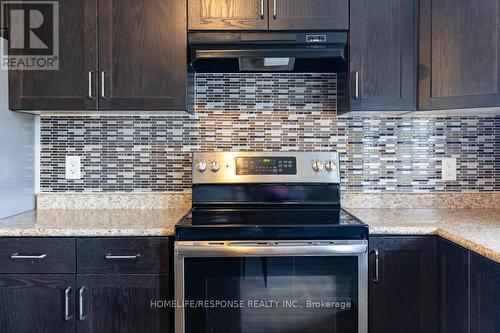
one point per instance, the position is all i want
(449, 169)
(73, 167)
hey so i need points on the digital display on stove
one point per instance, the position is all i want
(278, 165)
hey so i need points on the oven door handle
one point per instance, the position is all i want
(270, 248)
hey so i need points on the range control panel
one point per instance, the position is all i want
(265, 167)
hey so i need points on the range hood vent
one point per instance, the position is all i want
(214, 52)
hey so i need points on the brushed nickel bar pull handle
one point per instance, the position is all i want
(103, 91)
(89, 83)
(67, 316)
(356, 85)
(275, 5)
(114, 257)
(30, 257)
(80, 304)
(376, 279)
(261, 9)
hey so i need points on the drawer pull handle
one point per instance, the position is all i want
(30, 257)
(67, 316)
(113, 257)
(81, 316)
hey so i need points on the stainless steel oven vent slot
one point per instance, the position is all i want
(294, 244)
(249, 244)
(216, 243)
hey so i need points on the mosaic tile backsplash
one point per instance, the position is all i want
(282, 112)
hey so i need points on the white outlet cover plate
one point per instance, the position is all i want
(73, 167)
(449, 169)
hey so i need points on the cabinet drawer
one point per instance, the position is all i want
(123, 255)
(37, 255)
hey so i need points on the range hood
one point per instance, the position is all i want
(214, 52)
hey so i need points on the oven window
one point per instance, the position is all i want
(271, 295)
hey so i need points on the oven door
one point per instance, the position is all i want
(271, 286)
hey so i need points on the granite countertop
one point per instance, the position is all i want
(475, 229)
(93, 222)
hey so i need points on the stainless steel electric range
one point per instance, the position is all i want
(268, 249)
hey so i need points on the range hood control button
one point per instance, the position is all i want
(315, 38)
(214, 166)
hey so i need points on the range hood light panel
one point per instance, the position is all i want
(266, 64)
(269, 62)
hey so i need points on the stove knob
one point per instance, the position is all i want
(201, 166)
(330, 166)
(214, 166)
(317, 166)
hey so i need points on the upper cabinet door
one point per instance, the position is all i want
(459, 54)
(308, 14)
(383, 55)
(227, 14)
(142, 55)
(73, 85)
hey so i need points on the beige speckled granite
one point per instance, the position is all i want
(87, 222)
(162, 200)
(166, 200)
(137, 214)
(475, 229)
(420, 200)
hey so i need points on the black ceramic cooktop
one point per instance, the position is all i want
(269, 224)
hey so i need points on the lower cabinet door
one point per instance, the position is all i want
(37, 303)
(484, 295)
(453, 286)
(123, 303)
(402, 285)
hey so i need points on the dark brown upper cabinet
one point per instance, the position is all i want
(310, 14)
(73, 85)
(227, 14)
(383, 55)
(142, 55)
(268, 14)
(120, 55)
(459, 54)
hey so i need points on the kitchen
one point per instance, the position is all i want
(250, 166)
